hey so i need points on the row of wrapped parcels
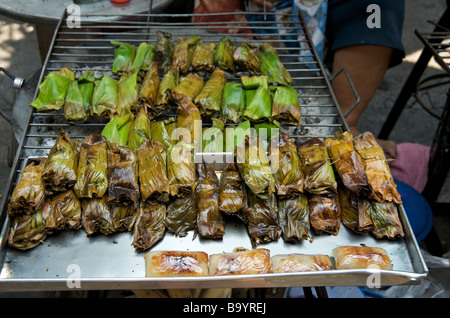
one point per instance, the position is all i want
(106, 187)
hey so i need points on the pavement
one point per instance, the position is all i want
(19, 54)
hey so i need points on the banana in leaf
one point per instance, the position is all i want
(183, 53)
(233, 102)
(140, 129)
(253, 82)
(148, 93)
(293, 216)
(124, 216)
(105, 97)
(386, 220)
(324, 213)
(213, 137)
(117, 130)
(188, 120)
(143, 60)
(380, 180)
(124, 55)
(260, 106)
(210, 223)
(188, 88)
(60, 169)
(246, 58)
(286, 166)
(27, 231)
(96, 216)
(128, 93)
(355, 211)
(77, 104)
(123, 186)
(166, 85)
(68, 206)
(52, 211)
(152, 167)
(149, 226)
(271, 65)
(285, 105)
(162, 131)
(29, 193)
(203, 60)
(181, 215)
(181, 169)
(319, 174)
(223, 56)
(232, 191)
(92, 173)
(235, 136)
(52, 91)
(347, 162)
(164, 50)
(209, 99)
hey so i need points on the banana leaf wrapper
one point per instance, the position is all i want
(382, 185)
(355, 211)
(235, 136)
(232, 191)
(162, 131)
(124, 216)
(223, 56)
(149, 226)
(145, 55)
(92, 173)
(183, 53)
(266, 131)
(324, 213)
(117, 130)
(293, 216)
(254, 167)
(66, 205)
(148, 93)
(233, 102)
(181, 215)
(261, 218)
(213, 140)
(29, 193)
(271, 65)
(286, 166)
(152, 166)
(246, 59)
(181, 169)
(188, 120)
(164, 50)
(105, 97)
(124, 55)
(203, 60)
(317, 167)
(169, 81)
(347, 162)
(77, 103)
(385, 219)
(60, 168)
(27, 231)
(285, 105)
(209, 99)
(210, 223)
(188, 88)
(123, 186)
(260, 106)
(53, 90)
(140, 130)
(96, 216)
(128, 93)
(253, 82)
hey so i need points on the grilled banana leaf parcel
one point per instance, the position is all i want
(181, 215)
(188, 120)
(96, 216)
(253, 82)
(92, 173)
(181, 169)
(152, 167)
(355, 211)
(183, 53)
(124, 55)
(164, 50)
(285, 105)
(105, 97)
(324, 213)
(233, 102)
(29, 193)
(149, 226)
(293, 216)
(117, 130)
(77, 104)
(166, 85)
(123, 186)
(124, 216)
(379, 176)
(27, 231)
(223, 56)
(162, 131)
(386, 220)
(271, 65)
(188, 87)
(144, 58)
(213, 138)
(210, 223)
(128, 92)
(68, 206)
(246, 58)
(140, 130)
(203, 60)
(260, 106)
(60, 168)
(319, 174)
(209, 99)
(53, 90)
(347, 162)
(286, 166)
(148, 93)
(232, 191)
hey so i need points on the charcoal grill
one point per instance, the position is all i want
(110, 262)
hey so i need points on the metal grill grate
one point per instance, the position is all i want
(439, 44)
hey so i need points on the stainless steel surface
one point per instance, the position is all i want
(110, 262)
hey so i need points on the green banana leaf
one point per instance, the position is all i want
(143, 60)
(260, 107)
(124, 55)
(233, 102)
(271, 65)
(246, 58)
(140, 130)
(162, 131)
(213, 138)
(77, 104)
(188, 87)
(118, 129)
(168, 82)
(223, 56)
(105, 97)
(209, 99)
(285, 105)
(128, 90)
(253, 82)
